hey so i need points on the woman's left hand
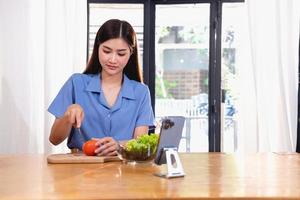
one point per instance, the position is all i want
(106, 146)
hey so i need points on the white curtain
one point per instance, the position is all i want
(268, 76)
(42, 42)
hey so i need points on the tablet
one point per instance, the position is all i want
(170, 136)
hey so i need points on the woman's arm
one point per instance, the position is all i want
(60, 130)
(61, 127)
(140, 130)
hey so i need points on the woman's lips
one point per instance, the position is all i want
(111, 67)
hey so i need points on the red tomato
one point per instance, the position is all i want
(89, 148)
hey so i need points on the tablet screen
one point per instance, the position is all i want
(170, 136)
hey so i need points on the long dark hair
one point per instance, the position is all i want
(112, 29)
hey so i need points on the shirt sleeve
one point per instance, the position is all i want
(145, 115)
(63, 100)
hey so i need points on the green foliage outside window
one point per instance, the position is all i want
(159, 84)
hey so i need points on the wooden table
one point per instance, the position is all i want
(208, 176)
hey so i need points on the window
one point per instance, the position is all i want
(182, 64)
(180, 46)
(232, 38)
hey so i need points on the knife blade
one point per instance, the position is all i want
(80, 134)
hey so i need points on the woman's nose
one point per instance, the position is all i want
(113, 58)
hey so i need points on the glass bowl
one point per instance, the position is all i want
(142, 149)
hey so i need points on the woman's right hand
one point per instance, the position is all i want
(62, 126)
(74, 115)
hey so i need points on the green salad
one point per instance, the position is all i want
(143, 143)
(140, 149)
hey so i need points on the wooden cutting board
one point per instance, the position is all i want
(79, 158)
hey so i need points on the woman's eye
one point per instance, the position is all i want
(121, 54)
(106, 51)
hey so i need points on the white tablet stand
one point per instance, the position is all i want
(174, 166)
(170, 135)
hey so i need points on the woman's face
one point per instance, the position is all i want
(113, 56)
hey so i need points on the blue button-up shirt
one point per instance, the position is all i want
(131, 109)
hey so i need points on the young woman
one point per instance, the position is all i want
(108, 102)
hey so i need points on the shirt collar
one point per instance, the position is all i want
(95, 84)
(127, 90)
